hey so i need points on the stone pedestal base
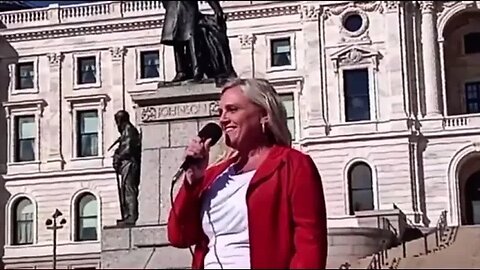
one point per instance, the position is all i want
(141, 247)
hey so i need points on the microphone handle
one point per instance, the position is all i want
(187, 162)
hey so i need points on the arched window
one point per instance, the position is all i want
(360, 188)
(23, 222)
(86, 218)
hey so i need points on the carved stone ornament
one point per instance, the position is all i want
(427, 6)
(55, 59)
(359, 35)
(117, 52)
(310, 12)
(247, 41)
(364, 6)
(392, 5)
(355, 55)
(352, 57)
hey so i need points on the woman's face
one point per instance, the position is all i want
(240, 119)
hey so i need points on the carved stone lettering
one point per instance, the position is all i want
(179, 111)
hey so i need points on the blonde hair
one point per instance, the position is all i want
(263, 94)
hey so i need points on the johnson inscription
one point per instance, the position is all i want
(179, 111)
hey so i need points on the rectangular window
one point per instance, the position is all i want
(289, 106)
(87, 130)
(472, 43)
(281, 54)
(150, 63)
(86, 70)
(24, 75)
(25, 130)
(357, 96)
(472, 96)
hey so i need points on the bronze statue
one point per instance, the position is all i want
(199, 41)
(126, 162)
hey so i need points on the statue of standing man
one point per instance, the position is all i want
(126, 162)
(179, 31)
(200, 41)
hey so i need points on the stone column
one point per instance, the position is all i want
(118, 77)
(55, 159)
(430, 59)
(246, 57)
(397, 92)
(314, 89)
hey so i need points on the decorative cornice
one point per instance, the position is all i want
(81, 31)
(247, 41)
(34, 34)
(100, 99)
(39, 104)
(55, 59)
(354, 55)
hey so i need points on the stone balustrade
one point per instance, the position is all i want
(463, 121)
(98, 11)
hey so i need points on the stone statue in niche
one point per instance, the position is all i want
(126, 162)
(200, 42)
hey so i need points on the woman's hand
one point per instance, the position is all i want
(199, 151)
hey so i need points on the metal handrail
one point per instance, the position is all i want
(378, 258)
(441, 227)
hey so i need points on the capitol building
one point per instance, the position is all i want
(383, 95)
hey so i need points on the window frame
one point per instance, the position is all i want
(79, 134)
(76, 71)
(346, 175)
(76, 217)
(78, 103)
(142, 64)
(293, 117)
(13, 70)
(11, 219)
(15, 109)
(17, 139)
(344, 94)
(373, 97)
(292, 86)
(270, 38)
(465, 98)
(138, 65)
(357, 57)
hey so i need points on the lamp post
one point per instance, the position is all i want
(54, 226)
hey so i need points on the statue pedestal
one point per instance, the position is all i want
(167, 119)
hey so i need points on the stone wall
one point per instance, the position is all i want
(168, 120)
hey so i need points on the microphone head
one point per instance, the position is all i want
(211, 131)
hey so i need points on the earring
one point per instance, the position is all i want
(263, 127)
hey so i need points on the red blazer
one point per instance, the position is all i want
(286, 213)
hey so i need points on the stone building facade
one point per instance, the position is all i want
(384, 95)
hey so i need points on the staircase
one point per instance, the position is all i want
(464, 253)
(430, 248)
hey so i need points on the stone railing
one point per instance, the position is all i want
(97, 11)
(25, 18)
(461, 121)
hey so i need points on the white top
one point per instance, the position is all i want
(225, 221)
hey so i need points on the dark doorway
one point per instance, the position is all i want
(472, 199)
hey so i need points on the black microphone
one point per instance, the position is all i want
(209, 131)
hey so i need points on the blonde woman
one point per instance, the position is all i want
(260, 207)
